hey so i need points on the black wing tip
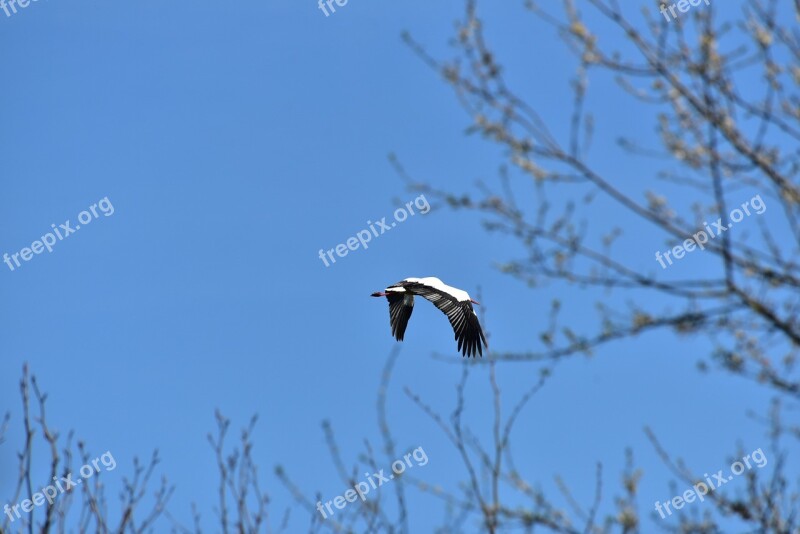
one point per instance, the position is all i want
(471, 340)
(471, 350)
(399, 314)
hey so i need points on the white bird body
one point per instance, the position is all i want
(435, 283)
(453, 302)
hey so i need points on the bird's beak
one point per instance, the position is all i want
(475, 302)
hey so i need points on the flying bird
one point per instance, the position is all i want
(453, 302)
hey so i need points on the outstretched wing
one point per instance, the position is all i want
(400, 307)
(462, 317)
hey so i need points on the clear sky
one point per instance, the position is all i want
(234, 141)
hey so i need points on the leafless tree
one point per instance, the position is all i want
(243, 505)
(59, 514)
(717, 140)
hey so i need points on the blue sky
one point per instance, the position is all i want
(236, 140)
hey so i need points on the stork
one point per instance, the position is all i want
(453, 302)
